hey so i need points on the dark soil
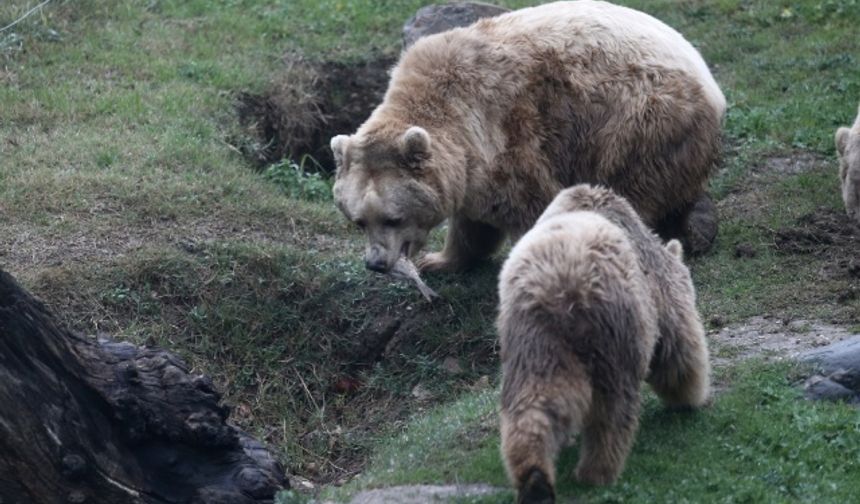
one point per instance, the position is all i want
(306, 106)
(827, 234)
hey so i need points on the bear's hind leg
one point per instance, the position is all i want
(695, 225)
(680, 370)
(467, 243)
(530, 444)
(608, 435)
(535, 425)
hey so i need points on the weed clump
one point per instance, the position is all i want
(297, 182)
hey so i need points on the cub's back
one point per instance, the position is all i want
(571, 258)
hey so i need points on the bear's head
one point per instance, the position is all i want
(848, 151)
(385, 185)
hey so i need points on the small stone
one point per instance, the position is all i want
(421, 393)
(76, 497)
(253, 482)
(452, 365)
(443, 17)
(482, 383)
(744, 250)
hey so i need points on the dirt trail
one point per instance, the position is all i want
(770, 338)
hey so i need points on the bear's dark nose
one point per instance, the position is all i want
(378, 265)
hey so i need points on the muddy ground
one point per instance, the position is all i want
(829, 236)
(308, 104)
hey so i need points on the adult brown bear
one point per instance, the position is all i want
(484, 125)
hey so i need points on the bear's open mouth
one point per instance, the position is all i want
(404, 250)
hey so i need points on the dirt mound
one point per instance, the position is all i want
(306, 105)
(827, 234)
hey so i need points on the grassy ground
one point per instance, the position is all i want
(757, 443)
(124, 205)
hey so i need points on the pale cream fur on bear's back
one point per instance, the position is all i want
(647, 39)
(574, 252)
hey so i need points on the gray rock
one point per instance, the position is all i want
(825, 389)
(423, 494)
(837, 369)
(438, 18)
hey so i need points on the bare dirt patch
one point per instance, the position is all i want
(751, 201)
(306, 105)
(827, 234)
(771, 338)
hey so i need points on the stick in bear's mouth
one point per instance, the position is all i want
(404, 268)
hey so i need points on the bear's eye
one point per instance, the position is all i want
(392, 222)
(360, 223)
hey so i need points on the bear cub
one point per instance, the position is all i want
(591, 304)
(848, 151)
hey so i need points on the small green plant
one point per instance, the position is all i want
(293, 180)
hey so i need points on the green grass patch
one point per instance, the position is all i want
(298, 182)
(759, 442)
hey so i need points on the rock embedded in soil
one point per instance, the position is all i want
(837, 372)
(443, 17)
(424, 494)
(744, 250)
(771, 337)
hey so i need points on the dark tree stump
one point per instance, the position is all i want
(104, 422)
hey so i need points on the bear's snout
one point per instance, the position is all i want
(376, 259)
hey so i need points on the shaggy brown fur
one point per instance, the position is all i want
(513, 109)
(590, 305)
(848, 150)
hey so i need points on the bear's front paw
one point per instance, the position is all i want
(434, 262)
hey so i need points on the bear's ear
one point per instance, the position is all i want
(415, 144)
(842, 140)
(675, 248)
(339, 145)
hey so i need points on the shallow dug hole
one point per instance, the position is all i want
(306, 105)
(828, 235)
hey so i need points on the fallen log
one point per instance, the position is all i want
(86, 421)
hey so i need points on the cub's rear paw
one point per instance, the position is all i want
(536, 489)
